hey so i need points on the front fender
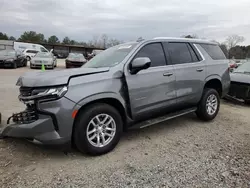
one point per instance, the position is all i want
(99, 96)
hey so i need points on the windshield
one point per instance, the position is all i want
(110, 57)
(7, 53)
(244, 68)
(75, 55)
(42, 54)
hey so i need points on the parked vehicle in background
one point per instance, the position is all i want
(12, 59)
(75, 60)
(6, 45)
(240, 83)
(29, 53)
(232, 65)
(131, 85)
(21, 46)
(45, 58)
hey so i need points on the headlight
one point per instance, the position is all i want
(8, 60)
(46, 94)
(52, 92)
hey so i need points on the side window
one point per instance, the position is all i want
(214, 51)
(179, 53)
(154, 52)
(193, 55)
(43, 50)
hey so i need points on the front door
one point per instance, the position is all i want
(189, 70)
(153, 89)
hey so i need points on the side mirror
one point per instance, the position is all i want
(139, 63)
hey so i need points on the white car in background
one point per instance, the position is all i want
(29, 53)
(46, 58)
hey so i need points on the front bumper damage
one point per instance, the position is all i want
(48, 123)
(239, 91)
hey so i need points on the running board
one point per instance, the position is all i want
(157, 120)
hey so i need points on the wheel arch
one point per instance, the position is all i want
(108, 98)
(215, 83)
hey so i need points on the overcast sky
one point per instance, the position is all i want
(127, 19)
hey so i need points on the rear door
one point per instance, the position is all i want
(189, 69)
(153, 89)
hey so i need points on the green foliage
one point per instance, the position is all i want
(66, 40)
(53, 40)
(32, 36)
(3, 36)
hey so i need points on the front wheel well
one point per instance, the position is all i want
(214, 84)
(110, 101)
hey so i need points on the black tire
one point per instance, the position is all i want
(14, 66)
(82, 121)
(202, 106)
(25, 63)
(247, 101)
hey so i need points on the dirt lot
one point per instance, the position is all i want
(183, 152)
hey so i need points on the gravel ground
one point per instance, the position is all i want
(183, 152)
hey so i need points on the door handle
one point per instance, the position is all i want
(199, 70)
(168, 74)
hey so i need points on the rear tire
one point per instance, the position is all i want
(209, 105)
(87, 121)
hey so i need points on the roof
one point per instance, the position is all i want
(184, 40)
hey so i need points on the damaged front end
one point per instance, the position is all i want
(240, 90)
(45, 108)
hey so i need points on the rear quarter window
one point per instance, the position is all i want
(214, 51)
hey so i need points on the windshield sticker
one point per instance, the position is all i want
(124, 47)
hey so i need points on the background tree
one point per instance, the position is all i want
(234, 40)
(53, 40)
(66, 40)
(113, 42)
(3, 36)
(32, 36)
(72, 42)
(12, 38)
(104, 40)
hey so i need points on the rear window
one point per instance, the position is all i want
(214, 51)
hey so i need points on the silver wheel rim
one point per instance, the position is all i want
(212, 104)
(101, 130)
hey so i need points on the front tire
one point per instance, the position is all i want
(98, 129)
(14, 65)
(209, 105)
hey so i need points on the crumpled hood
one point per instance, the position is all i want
(52, 78)
(240, 77)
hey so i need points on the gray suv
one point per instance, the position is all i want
(132, 85)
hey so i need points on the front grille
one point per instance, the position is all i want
(238, 90)
(24, 117)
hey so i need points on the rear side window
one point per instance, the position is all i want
(179, 53)
(214, 51)
(193, 54)
(154, 52)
